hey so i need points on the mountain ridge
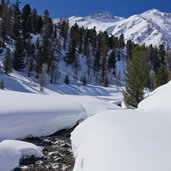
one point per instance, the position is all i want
(150, 27)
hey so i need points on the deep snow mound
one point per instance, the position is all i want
(12, 151)
(159, 99)
(123, 140)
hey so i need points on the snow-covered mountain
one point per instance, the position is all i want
(150, 27)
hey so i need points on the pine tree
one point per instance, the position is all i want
(112, 62)
(19, 55)
(17, 20)
(66, 80)
(103, 50)
(8, 62)
(54, 72)
(121, 41)
(80, 42)
(155, 59)
(129, 46)
(113, 42)
(162, 76)
(64, 28)
(38, 60)
(86, 45)
(5, 22)
(39, 24)
(106, 84)
(53, 62)
(32, 21)
(43, 78)
(1, 6)
(136, 78)
(47, 40)
(2, 85)
(47, 25)
(118, 80)
(26, 12)
(71, 55)
(30, 54)
(162, 55)
(93, 39)
(84, 81)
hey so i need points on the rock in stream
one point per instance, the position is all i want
(57, 151)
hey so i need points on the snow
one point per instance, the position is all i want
(127, 140)
(123, 140)
(101, 20)
(12, 151)
(150, 27)
(54, 112)
(110, 138)
(24, 114)
(22, 104)
(158, 100)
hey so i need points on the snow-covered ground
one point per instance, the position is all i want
(26, 114)
(12, 151)
(127, 140)
(25, 111)
(109, 139)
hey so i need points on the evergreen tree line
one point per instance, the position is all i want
(147, 67)
(40, 58)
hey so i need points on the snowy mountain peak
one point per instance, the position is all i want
(102, 15)
(151, 27)
(105, 16)
(154, 11)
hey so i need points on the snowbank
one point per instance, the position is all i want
(27, 114)
(158, 100)
(123, 140)
(12, 151)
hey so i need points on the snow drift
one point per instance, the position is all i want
(123, 141)
(29, 114)
(159, 99)
(12, 151)
(26, 114)
(127, 140)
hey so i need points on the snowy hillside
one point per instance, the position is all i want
(150, 27)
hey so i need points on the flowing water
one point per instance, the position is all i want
(57, 151)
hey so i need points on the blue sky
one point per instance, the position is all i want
(124, 8)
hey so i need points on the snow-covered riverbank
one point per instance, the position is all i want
(26, 114)
(127, 140)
